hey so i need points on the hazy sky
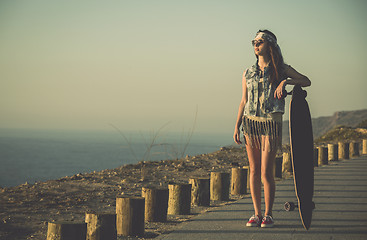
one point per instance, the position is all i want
(139, 64)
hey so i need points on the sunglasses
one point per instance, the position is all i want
(257, 43)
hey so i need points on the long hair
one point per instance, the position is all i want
(276, 58)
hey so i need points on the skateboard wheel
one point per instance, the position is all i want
(289, 206)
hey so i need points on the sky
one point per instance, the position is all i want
(142, 64)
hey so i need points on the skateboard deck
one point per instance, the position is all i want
(301, 141)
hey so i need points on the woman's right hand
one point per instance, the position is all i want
(236, 136)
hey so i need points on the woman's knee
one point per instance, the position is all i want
(255, 171)
(267, 176)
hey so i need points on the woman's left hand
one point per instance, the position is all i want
(280, 91)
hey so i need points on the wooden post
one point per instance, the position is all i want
(156, 204)
(247, 169)
(343, 150)
(364, 148)
(101, 226)
(247, 179)
(278, 167)
(238, 181)
(287, 163)
(130, 216)
(66, 230)
(323, 156)
(315, 157)
(179, 201)
(200, 191)
(332, 152)
(219, 186)
(354, 149)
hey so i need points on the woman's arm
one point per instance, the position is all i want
(294, 78)
(236, 135)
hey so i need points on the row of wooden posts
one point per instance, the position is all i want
(156, 203)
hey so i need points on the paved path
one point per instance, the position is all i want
(341, 210)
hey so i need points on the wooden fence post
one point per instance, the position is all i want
(315, 157)
(200, 191)
(219, 186)
(278, 167)
(354, 149)
(343, 150)
(323, 156)
(287, 163)
(156, 204)
(332, 152)
(130, 216)
(66, 230)
(101, 226)
(364, 148)
(238, 181)
(247, 169)
(179, 201)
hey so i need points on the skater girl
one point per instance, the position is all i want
(260, 114)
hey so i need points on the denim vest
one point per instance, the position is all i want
(260, 94)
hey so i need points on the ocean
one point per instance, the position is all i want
(40, 155)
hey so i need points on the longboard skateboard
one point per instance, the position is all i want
(301, 141)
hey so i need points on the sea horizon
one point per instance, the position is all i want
(37, 155)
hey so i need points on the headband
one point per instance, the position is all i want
(266, 37)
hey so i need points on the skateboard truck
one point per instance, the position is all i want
(290, 206)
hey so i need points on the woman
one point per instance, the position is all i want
(260, 113)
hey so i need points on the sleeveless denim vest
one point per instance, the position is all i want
(260, 94)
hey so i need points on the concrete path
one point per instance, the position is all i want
(341, 210)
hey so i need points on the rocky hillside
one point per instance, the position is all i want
(342, 133)
(322, 125)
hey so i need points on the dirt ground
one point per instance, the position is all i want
(25, 210)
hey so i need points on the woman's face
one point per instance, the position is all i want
(260, 46)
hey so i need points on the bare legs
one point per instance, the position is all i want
(261, 163)
(254, 156)
(267, 174)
